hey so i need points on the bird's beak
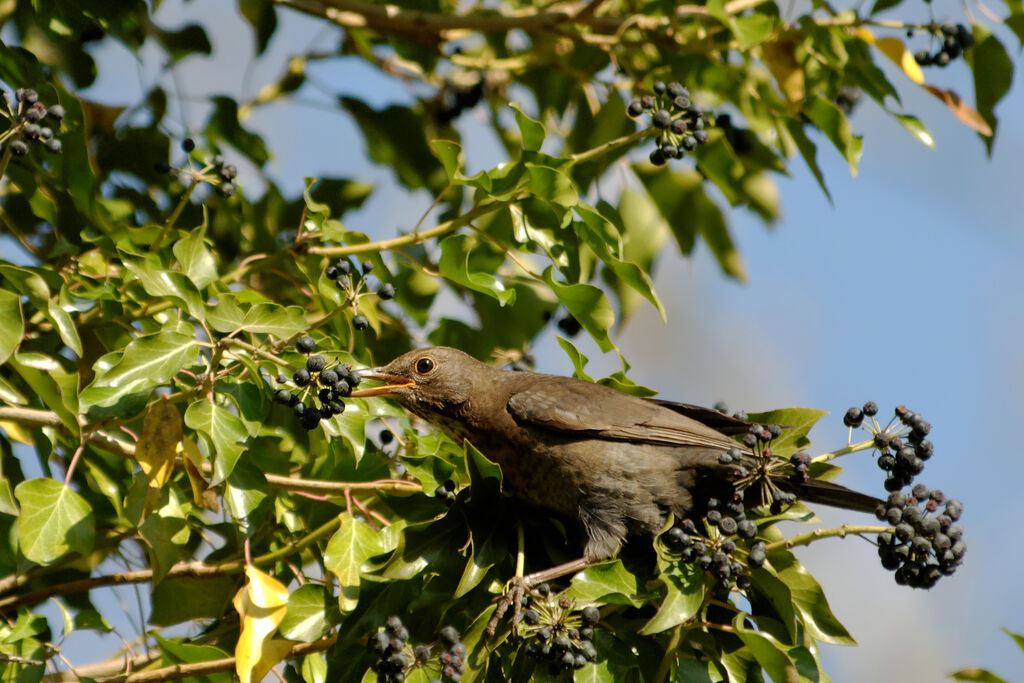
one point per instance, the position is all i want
(391, 383)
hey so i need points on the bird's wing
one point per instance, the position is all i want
(706, 416)
(556, 403)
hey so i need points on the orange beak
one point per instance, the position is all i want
(392, 382)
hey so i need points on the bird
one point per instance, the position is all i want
(614, 464)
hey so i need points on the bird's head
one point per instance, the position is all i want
(437, 376)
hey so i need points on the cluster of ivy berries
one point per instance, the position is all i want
(902, 446)
(554, 631)
(225, 175)
(716, 549)
(28, 118)
(955, 39)
(767, 467)
(327, 385)
(924, 545)
(395, 657)
(353, 282)
(680, 124)
(446, 492)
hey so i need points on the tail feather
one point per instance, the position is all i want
(827, 493)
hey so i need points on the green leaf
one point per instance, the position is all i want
(55, 386)
(166, 533)
(54, 521)
(146, 362)
(796, 423)
(683, 597)
(579, 361)
(916, 128)
(32, 285)
(551, 185)
(351, 546)
(980, 675)
(608, 582)
(482, 557)
(230, 314)
(195, 258)
(168, 284)
(993, 75)
(177, 652)
(226, 432)
(588, 305)
(314, 668)
(223, 126)
(767, 651)
(532, 131)
(312, 612)
(749, 30)
(594, 232)
(455, 266)
(809, 600)
(834, 124)
(1017, 638)
(450, 155)
(809, 152)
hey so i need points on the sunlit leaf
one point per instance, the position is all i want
(54, 521)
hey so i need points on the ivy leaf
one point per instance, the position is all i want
(834, 124)
(166, 533)
(349, 548)
(226, 432)
(32, 285)
(532, 131)
(608, 582)
(146, 362)
(993, 75)
(455, 266)
(195, 258)
(684, 595)
(157, 446)
(54, 521)
(12, 324)
(809, 600)
(230, 314)
(797, 422)
(767, 651)
(168, 284)
(588, 305)
(311, 613)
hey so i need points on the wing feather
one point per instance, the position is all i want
(556, 403)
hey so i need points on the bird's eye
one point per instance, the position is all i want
(424, 366)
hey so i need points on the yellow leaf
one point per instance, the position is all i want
(202, 494)
(780, 56)
(158, 443)
(894, 49)
(16, 432)
(261, 604)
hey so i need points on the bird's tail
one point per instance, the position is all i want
(827, 493)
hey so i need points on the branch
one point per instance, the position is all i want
(412, 237)
(812, 536)
(31, 417)
(193, 669)
(191, 569)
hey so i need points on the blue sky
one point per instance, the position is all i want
(908, 289)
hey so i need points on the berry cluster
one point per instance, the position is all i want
(955, 39)
(765, 467)
(335, 383)
(395, 657)
(902, 446)
(555, 632)
(216, 171)
(714, 548)
(924, 545)
(225, 173)
(680, 124)
(27, 116)
(446, 492)
(455, 98)
(353, 284)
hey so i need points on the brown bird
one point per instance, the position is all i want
(613, 463)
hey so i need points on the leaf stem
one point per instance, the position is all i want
(600, 150)
(175, 215)
(812, 536)
(852, 448)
